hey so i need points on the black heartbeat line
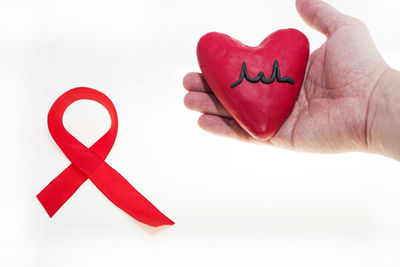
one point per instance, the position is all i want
(276, 74)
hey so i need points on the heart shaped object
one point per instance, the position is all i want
(258, 85)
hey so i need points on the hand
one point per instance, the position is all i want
(331, 112)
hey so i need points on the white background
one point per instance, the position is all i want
(234, 204)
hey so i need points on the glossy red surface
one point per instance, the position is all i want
(88, 163)
(259, 108)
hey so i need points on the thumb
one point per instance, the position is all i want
(321, 15)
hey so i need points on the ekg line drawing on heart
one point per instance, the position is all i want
(275, 75)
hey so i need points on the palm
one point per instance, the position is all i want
(330, 113)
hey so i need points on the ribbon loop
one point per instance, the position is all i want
(89, 163)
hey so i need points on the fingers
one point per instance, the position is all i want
(205, 103)
(194, 81)
(216, 119)
(321, 15)
(200, 97)
(223, 127)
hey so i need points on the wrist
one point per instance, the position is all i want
(383, 116)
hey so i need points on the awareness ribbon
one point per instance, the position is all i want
(89, 163)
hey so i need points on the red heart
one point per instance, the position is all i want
(259, 108)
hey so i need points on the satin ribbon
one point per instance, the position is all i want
(89, 163)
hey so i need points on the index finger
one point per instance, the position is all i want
(194, 81)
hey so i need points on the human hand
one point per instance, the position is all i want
(331, 112)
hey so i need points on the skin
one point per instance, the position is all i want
(347, 101)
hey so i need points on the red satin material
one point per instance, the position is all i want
(259, 108)
(89, 163)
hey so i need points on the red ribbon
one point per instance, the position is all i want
(89, 163)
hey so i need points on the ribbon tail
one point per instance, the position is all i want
(120, 192)
(60, 189)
